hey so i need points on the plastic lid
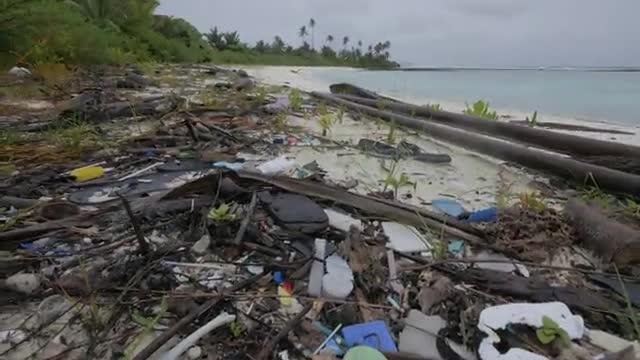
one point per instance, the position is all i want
(364, 353)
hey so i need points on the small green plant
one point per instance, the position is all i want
(326, 122)
(148, 324)
(236, 329)
(322, 109)
(381, 104)
(435, 107)
(481, 109)
(221, 214)
(295, 100)
(551, 331)
(631, 312)
(281, 121)
(533, 121)
(391, 136)
(10, 137)
(631, 208)
(503, 193)
(593, 194)
(340, 114)
(396, 182)
(261, 95)
(531, 201)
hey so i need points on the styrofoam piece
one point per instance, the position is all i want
(342, 221)
(317, 269)
(420, 333)
(405, 238)
(279, 165)
(498, 317)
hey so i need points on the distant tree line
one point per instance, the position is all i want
(376, 55)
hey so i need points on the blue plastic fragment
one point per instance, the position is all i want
(449, 207)
(484, 215)
(229, 166)
(278, 277)
(373, 334)
(455, 247)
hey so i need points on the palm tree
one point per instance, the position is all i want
(345, 41)
(329, 39)
(303, 32)
(312, 25)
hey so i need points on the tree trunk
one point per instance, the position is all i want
(577, 171)
(564, 143)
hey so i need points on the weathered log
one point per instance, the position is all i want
(564, 143)
(350, 89)
(614, 241)
(579, 172)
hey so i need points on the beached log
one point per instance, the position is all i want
(614, 241)
(350, 89)
(574, 170)
(564, 143)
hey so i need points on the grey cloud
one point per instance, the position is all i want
(442, 32)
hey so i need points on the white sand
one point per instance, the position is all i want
(471, 178)
(309, 79)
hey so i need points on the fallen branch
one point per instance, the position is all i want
(193, 315)
(245, 222)
(267, 348)
(143, 246)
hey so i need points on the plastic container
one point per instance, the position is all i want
(87, 173)
(317, 269)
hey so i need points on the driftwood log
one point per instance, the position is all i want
(564, 143)
(577, 171)
(614, 241)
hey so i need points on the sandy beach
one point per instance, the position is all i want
(470, 178)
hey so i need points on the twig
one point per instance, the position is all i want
(190, 340)
(142, 243)
(427, 264)
(268, 347)
(245, 222)
(192, 130)
(190, 317)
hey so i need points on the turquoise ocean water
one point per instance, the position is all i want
(609, 96)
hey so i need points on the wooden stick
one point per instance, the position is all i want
(245, 222)
(142, 243)
(268, 347)
(193, 315)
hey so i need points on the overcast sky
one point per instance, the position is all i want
(442, 32)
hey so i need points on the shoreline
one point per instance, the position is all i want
(308, 79)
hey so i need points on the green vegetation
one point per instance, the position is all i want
(326, 122)
(391, 136)
(396, 182)
(281, 121)
(533, 121)
(295, 100)
(435, 107)
(35, 32)
(551, 331)
(221, 214)
(481, 109)
(531, 201)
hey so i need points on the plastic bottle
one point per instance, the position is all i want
(317, 269)
(87, 173)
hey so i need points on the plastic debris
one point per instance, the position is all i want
(364, 353)
(277, 166)
(19, 71)
(485, 215)
(373, 334)
(420, 333)
(317, 268)
(499, 317)
(87, 173)
(405, 238)
(23, 283)
(342, 221)
(449, 207)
